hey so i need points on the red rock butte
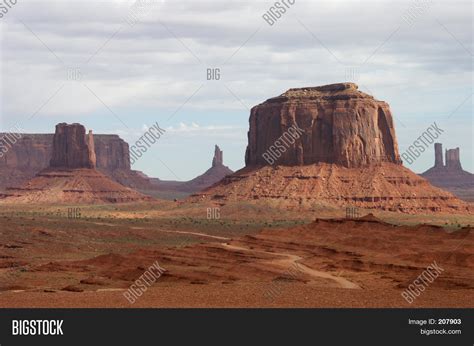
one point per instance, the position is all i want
(450, 175)
(71, 176)
(340, 125)
(330, 145)
(30, 153)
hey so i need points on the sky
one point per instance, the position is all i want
(118, 68)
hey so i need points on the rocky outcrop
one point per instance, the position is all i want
(213, 175)
(33, 152)
(21, 160)
(112, 153)
(91, 149)
(385, 186)
(218, 159)
(72, 148)
(438, 155)
(451, 176)
(71, 176)
(28, 152)
(24, 155)
(334, 123)
(331, 147)
(453, 162)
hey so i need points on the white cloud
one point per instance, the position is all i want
(193, 129)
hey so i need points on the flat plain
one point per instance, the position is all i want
(242, 254)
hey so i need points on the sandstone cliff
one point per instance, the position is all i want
(27, 156)
(71, 147)
(32, 153)
(339, 124)
(71, 176)
(332, 147)
(112, 153)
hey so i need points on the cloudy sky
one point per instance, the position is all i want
(119, 69)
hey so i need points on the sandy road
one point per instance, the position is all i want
(290, 260)
(186, 232)
(167, 231)
(198, 234)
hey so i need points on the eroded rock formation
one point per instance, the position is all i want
(112, 153)
(27, 154)
(339, 124)
(453, 162)
(72, 148)
(71, 176)
(213, 175)
(218, 159)
(21, 160)
(451, 176)
(329, 146)
(438, 155)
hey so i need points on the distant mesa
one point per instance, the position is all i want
(71, 176)
(32, 153)
(450, 176)
(328, 145)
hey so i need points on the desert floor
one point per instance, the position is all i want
(240, 255)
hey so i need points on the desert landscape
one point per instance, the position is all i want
(324, 214)
(290, 170)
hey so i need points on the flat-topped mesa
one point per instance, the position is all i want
(72, 148)
(330, 90)
(218, 159)
(335, 123)
(72, 176)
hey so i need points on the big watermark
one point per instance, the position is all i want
(5, 6)
(419, 285)
(419, 146)
(281, 145)
(276, 11)
(9, 139)
(141, 146)
(141, 285)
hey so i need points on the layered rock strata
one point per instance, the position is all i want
(72, 148)
(328, 146)
(337, 124)
(71, 176)
(31, 153)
